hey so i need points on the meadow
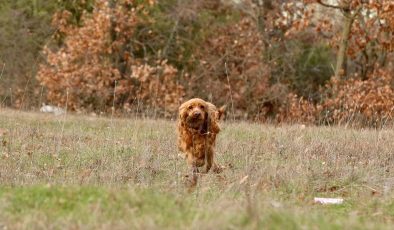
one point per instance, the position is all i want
(86, 172)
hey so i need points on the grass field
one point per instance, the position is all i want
(80, 172)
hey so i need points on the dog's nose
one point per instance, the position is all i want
(196, 114)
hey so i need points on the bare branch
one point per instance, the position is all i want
(331, 6)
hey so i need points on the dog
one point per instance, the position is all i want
(198, 125)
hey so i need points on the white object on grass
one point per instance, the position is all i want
(322, 200)
(52, 109)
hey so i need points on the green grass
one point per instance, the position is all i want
(80, 172)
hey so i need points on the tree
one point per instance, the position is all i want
(361, 89)
(364, 34)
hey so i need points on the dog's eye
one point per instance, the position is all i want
(190, 107)
(202, 107)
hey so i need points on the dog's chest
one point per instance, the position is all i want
(199, 143)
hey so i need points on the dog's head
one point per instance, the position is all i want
(194, 113)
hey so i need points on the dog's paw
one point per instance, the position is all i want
(191, 181)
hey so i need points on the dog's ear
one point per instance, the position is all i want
(212, 121)
(182, 114)
(221, 112)
(205, 126)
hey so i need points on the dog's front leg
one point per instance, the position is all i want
(193, 176)
(209, 160)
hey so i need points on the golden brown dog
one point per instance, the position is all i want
(197, 130)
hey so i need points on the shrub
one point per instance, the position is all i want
(297, 109)
(95, 68)
(354, 101)
(231, 69)
(312, 71)
(366, 102)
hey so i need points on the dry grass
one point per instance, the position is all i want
(97, 173)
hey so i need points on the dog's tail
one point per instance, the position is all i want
(221, 112)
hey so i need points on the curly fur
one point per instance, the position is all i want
(197, 130)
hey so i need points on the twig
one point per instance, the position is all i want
(372, 189)
(113, 102)
(331, 6)
(112, 121)
(2, 70)
(62, 131)
(173, 31)
(229, 86)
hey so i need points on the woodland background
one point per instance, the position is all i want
(311, 61)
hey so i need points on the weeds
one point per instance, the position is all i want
(122, 173)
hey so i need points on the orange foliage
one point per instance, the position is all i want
(158, 88)
(232, 69)
(364, 102)
(296, 109)
(94, 69)
(370, 101)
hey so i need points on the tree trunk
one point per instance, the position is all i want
(340, 67)
(263, 7)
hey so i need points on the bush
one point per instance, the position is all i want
(231, 69)
(366, 102)
(265, 61)
(313, 69)
(95, 68)
(354, 101)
